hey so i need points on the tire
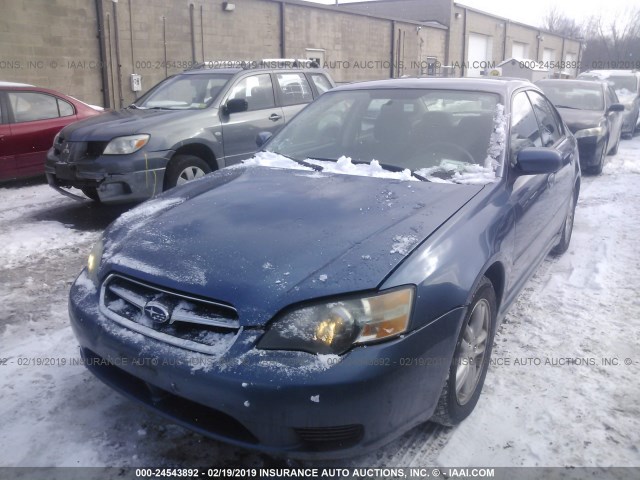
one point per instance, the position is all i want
(456, 402)
(92, 193)
(597, 168)
(567, 230)
(184, 168)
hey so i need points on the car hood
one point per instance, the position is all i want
(109, 125)
(580, 119)
(263, 238)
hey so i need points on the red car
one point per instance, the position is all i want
(29, 119)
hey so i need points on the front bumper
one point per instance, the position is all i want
(590, 150)
(290, 404)
(116, 178)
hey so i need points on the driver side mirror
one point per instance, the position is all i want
(262, 138)
(537, 160)
(616, 107)
(236, 105)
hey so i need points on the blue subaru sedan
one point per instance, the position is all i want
(345, 284)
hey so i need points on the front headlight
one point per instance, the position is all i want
(334, 327)
(590, 132)
(126, 145)
(93, 262)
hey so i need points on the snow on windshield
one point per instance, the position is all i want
(345, 166)
(473, 173)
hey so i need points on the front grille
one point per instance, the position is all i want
(331, 438)
(95, 149)
(179, 319)
(72, 152)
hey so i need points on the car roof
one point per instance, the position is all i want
(14, 84)
(609, 73)
(501, 85)
(233, 70)
(571, 82)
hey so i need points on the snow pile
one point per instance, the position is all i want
(474, 174)
(345, 166)
(273, 160)
(403, 244)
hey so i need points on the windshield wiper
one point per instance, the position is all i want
(301, 162)
(394, 168)
(135, 107)
(567, 106)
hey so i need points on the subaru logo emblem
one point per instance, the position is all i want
(157, 312)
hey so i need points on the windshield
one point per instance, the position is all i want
(184, 92)
(437, 134)
(570, 96)
(624, 82)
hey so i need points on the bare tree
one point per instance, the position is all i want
(614, 43)
(557, 22)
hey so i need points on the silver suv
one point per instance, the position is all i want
(627, 86)
(188, 125)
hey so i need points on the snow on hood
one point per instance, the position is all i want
(264, 238)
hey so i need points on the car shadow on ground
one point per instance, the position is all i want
(84, 215)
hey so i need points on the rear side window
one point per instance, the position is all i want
(31, 106)
(66, 108)
(524, 127)
(321, 82)
(294, 88)
(550, 128)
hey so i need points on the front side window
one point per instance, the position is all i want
(257, 90)
(550, 128)
(524, 126)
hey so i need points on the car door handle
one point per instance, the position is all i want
(551, 179)
(274, 117)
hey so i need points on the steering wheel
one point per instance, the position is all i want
(459, 153)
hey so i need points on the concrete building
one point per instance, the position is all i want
(92, 48)
(478, 41)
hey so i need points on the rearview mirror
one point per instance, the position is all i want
(616, 107)
(236, 105)
(536, 160)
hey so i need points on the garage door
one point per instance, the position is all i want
(479, 54)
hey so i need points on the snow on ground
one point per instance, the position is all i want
(570, 409)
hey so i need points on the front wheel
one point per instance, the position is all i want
(614, 150)
(567, 230)
(597, 168)
(470, 359)
(184, 168)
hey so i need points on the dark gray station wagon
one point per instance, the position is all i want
(186, 126)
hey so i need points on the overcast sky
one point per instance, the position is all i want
(532, 12)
